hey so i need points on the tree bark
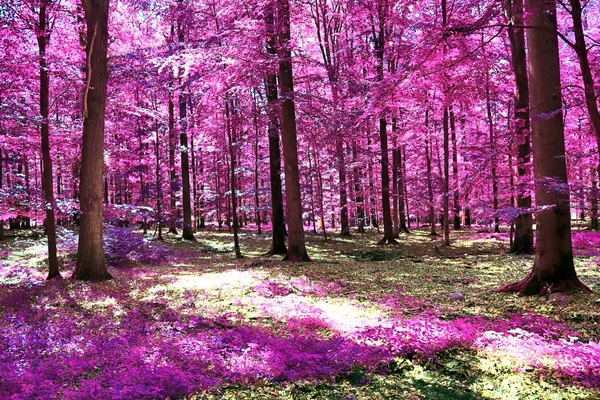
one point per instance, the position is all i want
(90, 254)
(553, 268)
(296, 246)
(43, 38)
(430, 198)
(591, 103)
(277, 221)
(523, 240)
(388, 233)
(173, 184)
(188, 233)
(232, 138)
(446, 219)
(455, 178)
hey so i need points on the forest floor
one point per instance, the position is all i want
(188, 320)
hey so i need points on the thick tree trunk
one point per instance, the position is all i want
(523, 241)
(90, 254)
(296, 247)
(277, 221)
(553, 267)
(47, 184)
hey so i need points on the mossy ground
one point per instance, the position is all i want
(419, 266)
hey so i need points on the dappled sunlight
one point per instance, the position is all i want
(200, 322)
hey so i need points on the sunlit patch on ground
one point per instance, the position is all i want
(361, 320)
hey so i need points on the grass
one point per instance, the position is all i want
(365, 275)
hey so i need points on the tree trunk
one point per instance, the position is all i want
(188, 233)
(174, 186)
(321, 194)
(523, 240)
(359, 199)
(388, 233)
(90, 254)
(401, 192)
(492, 153)
(159, 193)
(232, 138)
(591, 103)
(430, 198)
(553, 267)
(256, 154)
(296, 247)
(47, 184)
(455, 191)
(277, 221)
(395, 192)
(446, 219)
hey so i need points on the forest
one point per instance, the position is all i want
(299, 199)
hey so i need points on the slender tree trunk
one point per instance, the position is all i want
(201, 194)
(277, 221)
(430, 198)
(492, 153)
(401, 192)
(321, 194)
(372, 196)
(523, 241)
(49, 223)
(296, 247)
(388, 233)
(232, 138)
(359, 199)
(173, 186)
(446, 219)
(312, 192)
(196, 210)
(188, 233)
(1, 186)
(591, 101)
(90, 254)
(455, 191)
(594, 200)
(553, 267)
(159, 192)
(395, 192)
(256, 154)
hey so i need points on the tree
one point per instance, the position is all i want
(296, 247)
(90, 254)
(43, 38)
(379, 39)
(591, 101)
(523, 240)
(277, 221)
(553, 268)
